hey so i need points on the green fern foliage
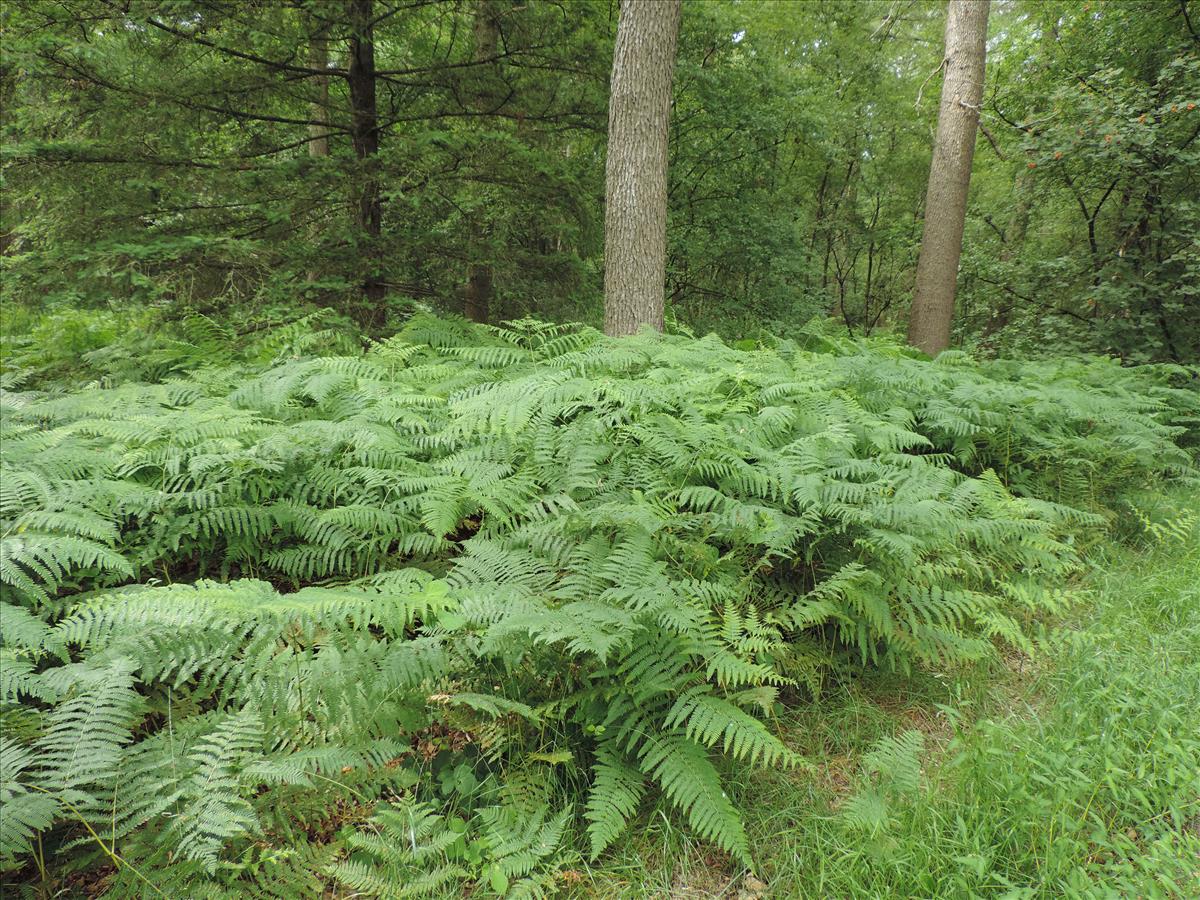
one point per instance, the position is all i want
(409, 850)
(25, 812)
(892, 772)
(404, 855)
(259, 599)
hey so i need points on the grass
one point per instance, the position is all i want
(1072, 773)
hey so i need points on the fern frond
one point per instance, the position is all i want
(691, 782)
(79, 755)
(26, 812)
(617, 789)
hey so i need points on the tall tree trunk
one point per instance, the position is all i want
(318, 58)
(949, 176)
(639, 117)
(318, 134)
(478, 293)
(364, 134)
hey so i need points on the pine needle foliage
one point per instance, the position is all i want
(238, 599)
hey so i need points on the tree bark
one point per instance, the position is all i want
(949, 177)
(478, 293)
(639, 116)
(364, 134)
(318, 58)
(318, 129)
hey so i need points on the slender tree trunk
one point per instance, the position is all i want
(949, 176)
(1014, 240)
(479, 287)
(318, 58)
(1018, 222)
(818, 224)
(364, 133)
(318, 134)
(639, 116)
(478, 293)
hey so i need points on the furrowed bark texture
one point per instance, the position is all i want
(949, 176)
(639, 115)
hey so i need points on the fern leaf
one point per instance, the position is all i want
(617, 789)
(25, 812)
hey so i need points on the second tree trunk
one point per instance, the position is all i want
(635, 193)
(364, 134)
(949, 177)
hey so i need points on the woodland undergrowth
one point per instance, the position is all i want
(286, 616)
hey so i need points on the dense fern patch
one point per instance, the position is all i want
(250, 605)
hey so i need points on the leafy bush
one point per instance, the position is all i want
(522, 551)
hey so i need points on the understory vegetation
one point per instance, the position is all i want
(605, 449)
(1071, 773)
(284, 616)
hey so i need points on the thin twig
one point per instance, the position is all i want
(921, 89)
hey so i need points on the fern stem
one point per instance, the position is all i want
(117, 859)
(40, 858)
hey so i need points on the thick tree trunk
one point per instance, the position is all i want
(639, 115)
(949, 176)
(478, 291)
(364, 134)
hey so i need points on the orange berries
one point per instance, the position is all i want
(1142, 118)
(1108, 138)
(1191, 106)
(1174, 108)
(1032, 165)
(1058, 154)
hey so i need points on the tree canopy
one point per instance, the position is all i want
(161, 153)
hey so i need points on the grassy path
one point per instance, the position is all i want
(1074, 773)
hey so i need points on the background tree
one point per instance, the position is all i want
(1095, 112)
(949, 176)
(364, 135)
(635, 193)
(159, 155)
(478, 289)
(218, 202)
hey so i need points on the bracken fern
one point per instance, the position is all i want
(624, 553)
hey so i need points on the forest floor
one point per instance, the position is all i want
(1070, 772)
